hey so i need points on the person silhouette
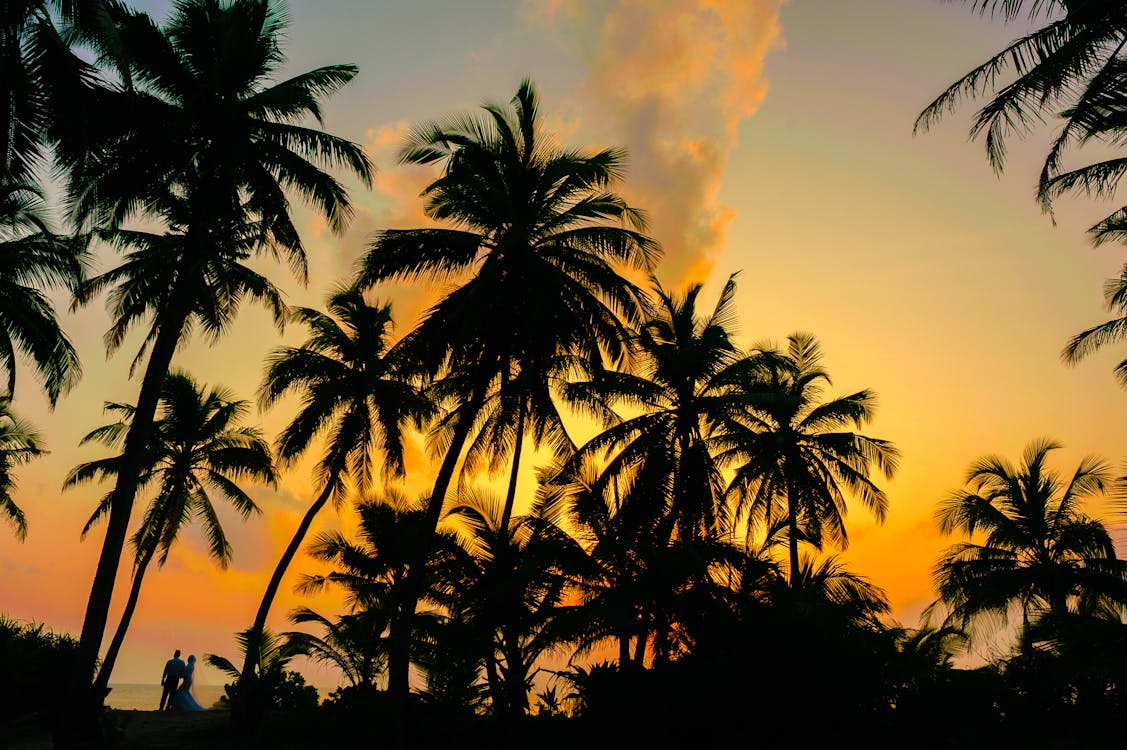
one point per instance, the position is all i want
(174, 670)
(185, 699)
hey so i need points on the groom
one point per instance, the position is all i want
(170, 679)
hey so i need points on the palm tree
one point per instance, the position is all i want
(353, 643)
(687, 367)
(372, 569)
(792, 449)
(19, 443)
(196, 445)
(535, 242)
(354, 389)
(513, 588)
(31, 258)
(1030, 545)
(203, 142)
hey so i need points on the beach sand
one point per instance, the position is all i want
(167, 730)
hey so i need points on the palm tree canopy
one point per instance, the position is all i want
(19, 443)
(197, 448)
(1030, 543)
(536, 238)
(682, 382)
(788, 441)
(202, 120)
(354, 388)
(33, 259)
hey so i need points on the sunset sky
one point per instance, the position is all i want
(765, 137)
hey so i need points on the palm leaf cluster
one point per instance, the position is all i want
(1072, 71)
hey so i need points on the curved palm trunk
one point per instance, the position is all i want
(511, 492)
(102, 681)
(82, 723)
(399, 653)
(276, 579)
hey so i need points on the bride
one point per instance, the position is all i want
(184, 700)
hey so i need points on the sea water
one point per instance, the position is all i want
(147, 697)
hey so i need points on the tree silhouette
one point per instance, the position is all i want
(196, 445)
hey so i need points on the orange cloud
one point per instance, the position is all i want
(675, 79)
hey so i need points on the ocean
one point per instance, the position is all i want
(147, 697)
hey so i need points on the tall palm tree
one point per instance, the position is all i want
(19, 443)
(355, 389)
(32, 258)
(792, 449)
(206, 142)
(535, 239)
(196, 445)
(1029, 544)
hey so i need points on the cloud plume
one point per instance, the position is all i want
(673, 80)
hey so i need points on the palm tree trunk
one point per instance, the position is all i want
(399, 652)
(623, 651)
(494, 681)
(102, 681)
(276, 579)
(511, 492)
(515, 689)
(82, 706)
(792, 542)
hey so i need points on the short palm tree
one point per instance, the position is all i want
(1030, 545)
(792, 449)
(32, 258)
(205, 142)
(354, 643)
(355, 388)
(197, 449)
(535, 242)
(513, 587)
(371, 569)
(19, 443)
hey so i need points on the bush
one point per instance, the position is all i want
(34, 662)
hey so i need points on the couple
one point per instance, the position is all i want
(177, 684)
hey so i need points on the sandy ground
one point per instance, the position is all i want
(156, 730)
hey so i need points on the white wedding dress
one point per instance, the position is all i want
(185, 700)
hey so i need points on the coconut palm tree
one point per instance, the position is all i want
(19, 443)
(354, 389)
(205, 142)
(197, 449)
(1030, 546)
(513, 587)
(686, 367)
(353, 643)
(534, 242)
(792, 449)
(372, 568)
(31, 259)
